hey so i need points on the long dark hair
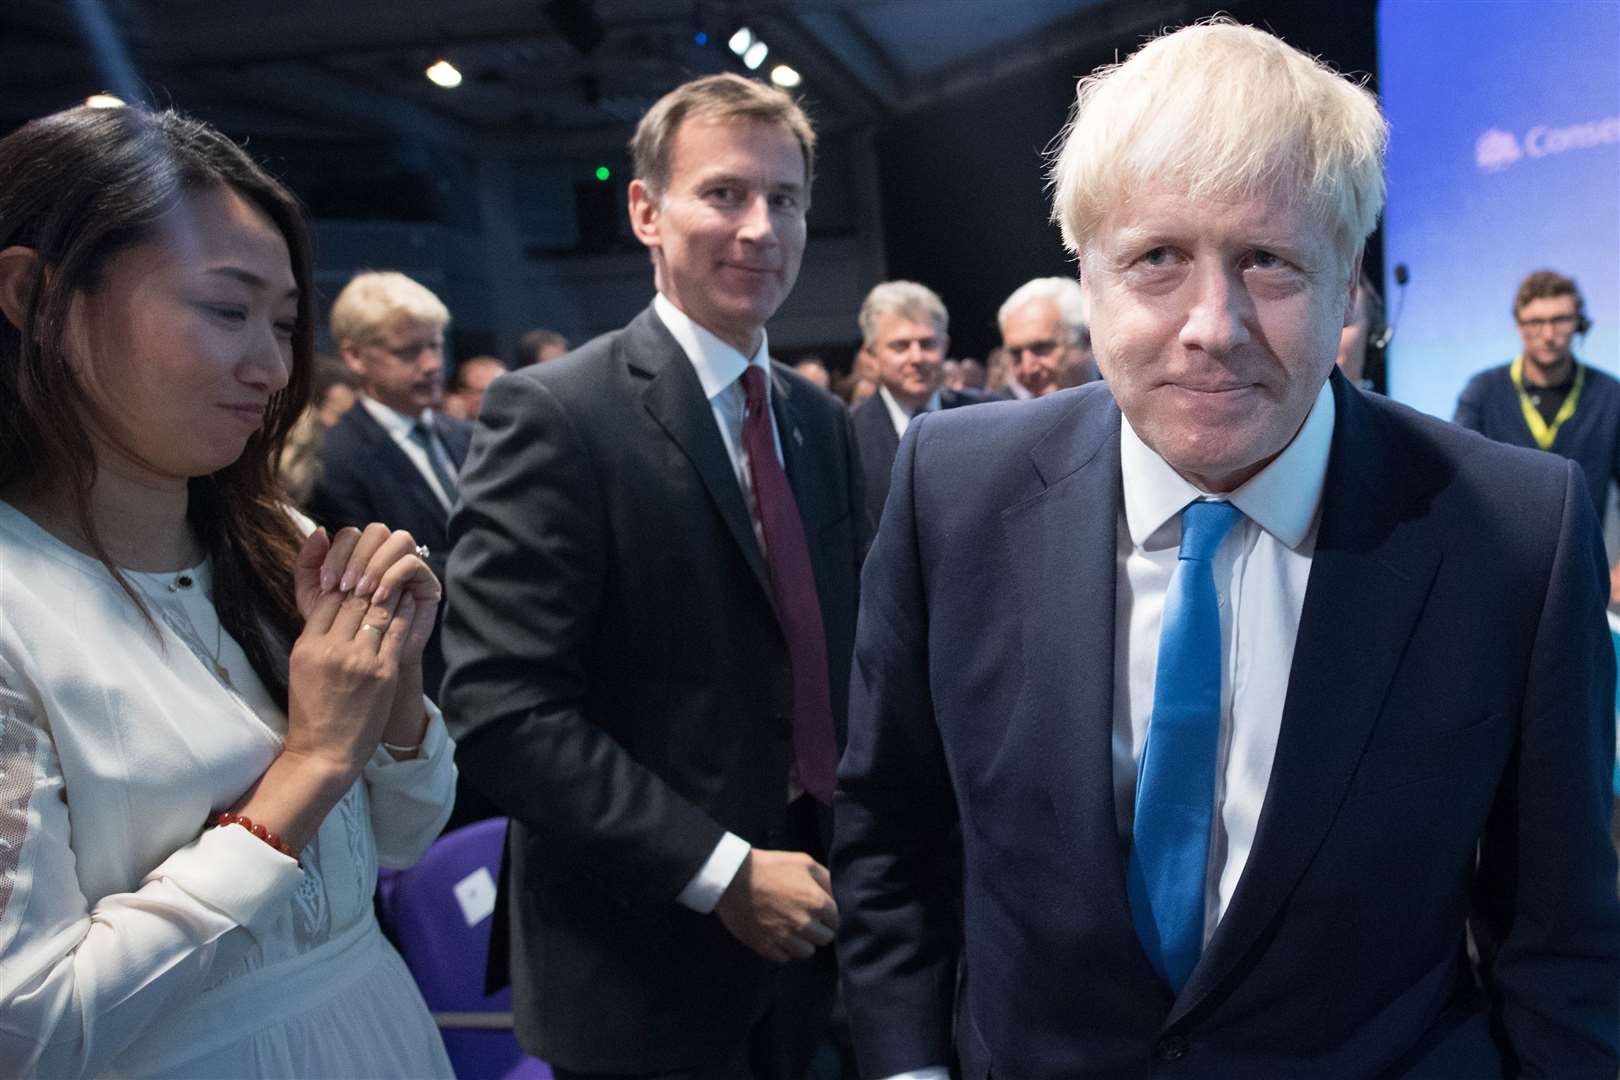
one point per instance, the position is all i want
(77, 187)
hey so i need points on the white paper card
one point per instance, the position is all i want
(476, 895)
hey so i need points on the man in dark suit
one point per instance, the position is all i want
(1292, 686)
(655, 572)
(904, 339)
(1044, 338)
(394, 457)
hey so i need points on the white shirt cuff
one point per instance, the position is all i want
(234, 872)
(703, 891)
(931, 1072)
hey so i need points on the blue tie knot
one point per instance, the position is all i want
(1204, 525)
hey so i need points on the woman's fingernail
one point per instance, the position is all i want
(366, 585)
(328, 579)
(380, 596)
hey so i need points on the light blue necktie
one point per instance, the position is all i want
(1175, 785)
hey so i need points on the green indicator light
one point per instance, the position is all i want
(602, 172)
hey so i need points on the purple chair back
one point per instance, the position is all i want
(440, 910)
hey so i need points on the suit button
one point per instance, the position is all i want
(1171, 1048)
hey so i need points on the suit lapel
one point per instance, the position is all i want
(407, 481)
(675, 399)
(1370, 575)
(801, 444)
(457, 441)
(1062, 545)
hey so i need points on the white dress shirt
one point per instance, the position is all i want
(719, 369)
(897, 412)
(1261, 569)
(399, 427)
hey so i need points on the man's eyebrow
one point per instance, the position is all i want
(247, 277)
(738, 180)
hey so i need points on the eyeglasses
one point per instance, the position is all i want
(411, 352)
(1556, 322)
(1039, 349)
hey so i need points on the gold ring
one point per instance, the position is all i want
(379, 631)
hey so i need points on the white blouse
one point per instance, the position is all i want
(132, 941)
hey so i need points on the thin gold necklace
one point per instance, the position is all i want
(183, 582)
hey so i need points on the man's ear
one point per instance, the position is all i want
(19, 269)
(349, 352)
(644, 213)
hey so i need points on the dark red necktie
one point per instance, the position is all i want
(793, 585)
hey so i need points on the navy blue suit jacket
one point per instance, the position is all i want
(1444, 761)
(366, 477)
(878, 441)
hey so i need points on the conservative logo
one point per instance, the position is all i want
(1496, 149)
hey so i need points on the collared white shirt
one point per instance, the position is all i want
(719, 369)
(399, 427)
(1261, 569)
(897, 412)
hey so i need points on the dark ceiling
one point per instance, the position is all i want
(557, 76)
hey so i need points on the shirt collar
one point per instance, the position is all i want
(1281, 498)
(897, 411)
(718, 364)
(393, 421)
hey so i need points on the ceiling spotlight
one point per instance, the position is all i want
(785, 77)
(741, 40)
(755, 55)
(444, 73)
(104, 101)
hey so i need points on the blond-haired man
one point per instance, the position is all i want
(1293, 686)
(656, 568)
(394, 456)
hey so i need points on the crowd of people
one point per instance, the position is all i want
(1150, 695)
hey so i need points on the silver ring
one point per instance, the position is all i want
(378, 630)
(422, 552)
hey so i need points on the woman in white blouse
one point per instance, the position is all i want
(174, 648)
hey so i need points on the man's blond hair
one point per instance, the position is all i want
(375, 298)
(1227, 111)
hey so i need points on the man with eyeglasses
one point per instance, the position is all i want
(1043, 323)
(394, 457)
(1546, 399)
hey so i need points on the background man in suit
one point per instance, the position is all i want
(904, 339)
(1293, 683)
(393, 458)
(656, 562)
(1043, 324)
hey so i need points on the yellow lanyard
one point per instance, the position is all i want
(1540, 430)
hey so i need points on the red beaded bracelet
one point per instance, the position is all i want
(273, 839)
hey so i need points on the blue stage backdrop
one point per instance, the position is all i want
(1504, 158)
